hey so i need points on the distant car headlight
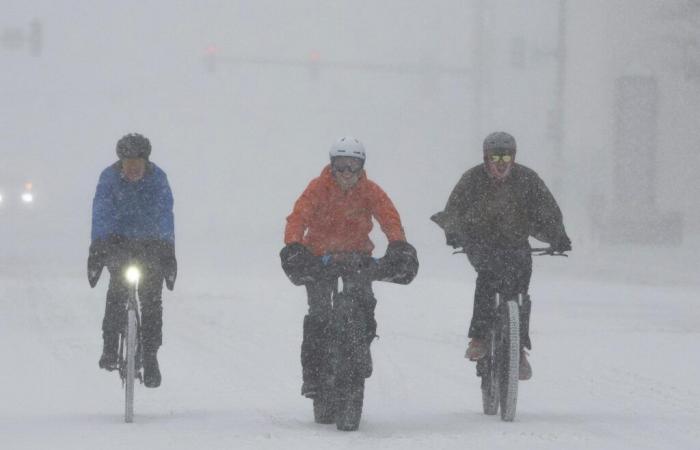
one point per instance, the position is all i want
(0, 198)
(27, 197)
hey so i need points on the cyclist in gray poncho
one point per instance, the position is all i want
(492, 211)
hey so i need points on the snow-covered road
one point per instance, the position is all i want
(615, 367)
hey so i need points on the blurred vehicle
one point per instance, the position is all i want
(22, 224)
(16, 195)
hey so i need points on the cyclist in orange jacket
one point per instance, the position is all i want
(334, 216)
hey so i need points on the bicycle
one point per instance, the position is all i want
(345, 357)
(499, 369)
(348, 360)
(130, 346)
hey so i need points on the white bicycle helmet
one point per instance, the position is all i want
(348, 146)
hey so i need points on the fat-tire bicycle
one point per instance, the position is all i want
(347, 360)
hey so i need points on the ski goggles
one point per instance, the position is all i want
(499, 158)
(346, 167)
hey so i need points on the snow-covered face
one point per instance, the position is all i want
(346, 171)
(133, 169)
(499, 164)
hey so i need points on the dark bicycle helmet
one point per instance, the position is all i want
(133, 145)
(500, 141)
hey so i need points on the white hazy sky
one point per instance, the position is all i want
(240, 144)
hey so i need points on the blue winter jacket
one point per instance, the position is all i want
(139, 210)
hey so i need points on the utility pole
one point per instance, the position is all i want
(557, 119)
(479, 69)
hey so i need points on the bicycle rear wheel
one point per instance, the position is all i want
(130, 366)
(486, 368)
(508, 359)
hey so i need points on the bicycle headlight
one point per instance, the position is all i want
(133, 274)
(27, 197)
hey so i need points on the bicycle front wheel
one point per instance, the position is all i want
(508, 359)
(349, 401)
(130, 366)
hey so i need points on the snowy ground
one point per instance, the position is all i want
(615, 367)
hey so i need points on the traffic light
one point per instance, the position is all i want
(210, 58)
(17, 38)
(314, 65)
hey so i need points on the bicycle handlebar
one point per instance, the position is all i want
(540, 251)
(340, 264)
(547, 251)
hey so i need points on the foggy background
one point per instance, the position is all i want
(242, 99)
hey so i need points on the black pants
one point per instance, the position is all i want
(507, 271)
(149, 290)
(317, 323)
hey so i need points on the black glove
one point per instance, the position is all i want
(97, 260)
(399, 264)
(299, 264)
(454, 240)
(168, 263)
(562, 245)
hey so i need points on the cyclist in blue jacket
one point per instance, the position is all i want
(132, 219)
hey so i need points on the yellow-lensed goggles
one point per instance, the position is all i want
(499, 158)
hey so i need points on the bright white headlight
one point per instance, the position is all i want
(0, 198)
(27, 197)
(133, 274)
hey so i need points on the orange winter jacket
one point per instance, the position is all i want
(327, 220)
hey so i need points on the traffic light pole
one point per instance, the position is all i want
(559, 106)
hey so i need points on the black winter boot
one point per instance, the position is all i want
(110, 359)
(151, 371)
(312, 347)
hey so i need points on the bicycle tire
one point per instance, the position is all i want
(351, 361)
(349, 404)
(508, 365)
(130, 366)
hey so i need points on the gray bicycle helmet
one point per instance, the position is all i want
(500, 141)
